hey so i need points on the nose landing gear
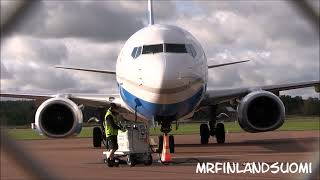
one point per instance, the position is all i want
(171, 143)
(166, 142)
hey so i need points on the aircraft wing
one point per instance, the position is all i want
(94, 100)
(87, 70)
(224, 95)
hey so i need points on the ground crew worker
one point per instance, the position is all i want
(111, 131)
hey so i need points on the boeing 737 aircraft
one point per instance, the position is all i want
(162, 76)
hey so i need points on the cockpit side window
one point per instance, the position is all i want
(152, 49)
(136, 52)
(191, 50)
(133, 54)
(175, 48)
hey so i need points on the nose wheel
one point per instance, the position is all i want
(171, 143)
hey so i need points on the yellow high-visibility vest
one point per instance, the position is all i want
(109, 130)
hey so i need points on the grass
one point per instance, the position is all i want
(292, 123)
(24, 134)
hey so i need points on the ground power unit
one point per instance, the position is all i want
(134, 144)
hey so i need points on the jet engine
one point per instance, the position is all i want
(260, 111)
(58, 117)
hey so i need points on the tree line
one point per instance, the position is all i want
(22, 112)
(298, 106)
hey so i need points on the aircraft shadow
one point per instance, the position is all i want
(277, 145)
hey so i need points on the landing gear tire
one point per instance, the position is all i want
(131, 161)
(148, 161)
(220, 133)
(171, 143)
(204, 133)
(160, 143)
(97, 137)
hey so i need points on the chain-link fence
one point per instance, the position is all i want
(14, 18)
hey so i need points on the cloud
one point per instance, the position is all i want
(41, 50)
(4, 72)
(281, 45)
(31, 62)
(104, 21)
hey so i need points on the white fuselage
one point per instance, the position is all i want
(162, 72)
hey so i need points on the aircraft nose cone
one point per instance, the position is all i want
(166, 71)
(168, 85)
(178, 70)
(152, 70)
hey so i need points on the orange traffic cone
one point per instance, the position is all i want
(165, 156)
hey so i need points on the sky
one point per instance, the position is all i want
(282, 46)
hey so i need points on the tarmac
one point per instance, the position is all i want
(75, 158)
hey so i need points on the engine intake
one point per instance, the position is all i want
(58, 117)
(261, 111)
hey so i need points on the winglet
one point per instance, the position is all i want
(88, 70)
(226, 64)
(150, 13)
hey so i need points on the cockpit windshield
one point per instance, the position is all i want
(175, 48)
(168, 48)
(151, 49)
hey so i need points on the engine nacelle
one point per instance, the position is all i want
(58, 117)
(260, 111)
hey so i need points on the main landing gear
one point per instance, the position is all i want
(212, 129)
(97, 137)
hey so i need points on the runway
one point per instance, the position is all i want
(75, 158)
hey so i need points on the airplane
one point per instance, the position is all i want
(162, 76)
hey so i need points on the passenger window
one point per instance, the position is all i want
(133, 54)
(138, 52)
(191, 50)
(175, 48)
(157, 48)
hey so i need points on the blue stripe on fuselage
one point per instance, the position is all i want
(150, 110)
